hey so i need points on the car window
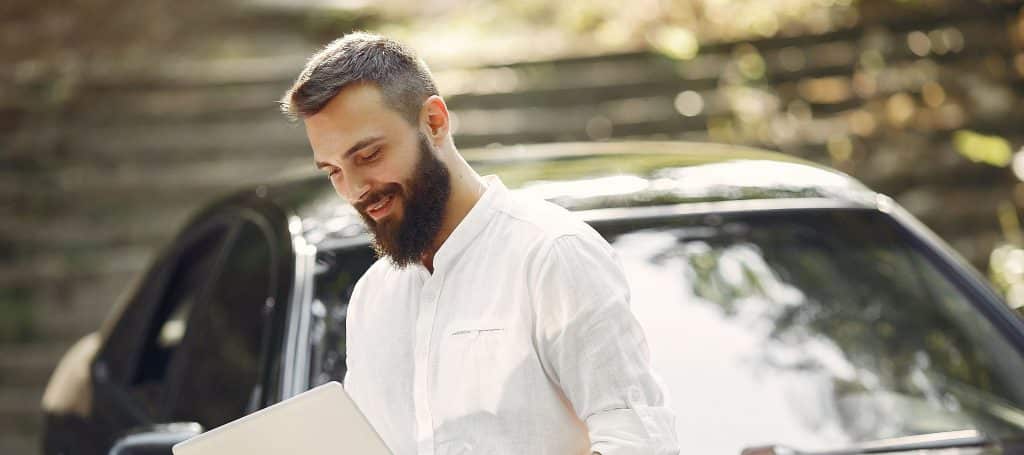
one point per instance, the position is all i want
(177, 291)
(215, 376)
(336, 274)
(814, 329)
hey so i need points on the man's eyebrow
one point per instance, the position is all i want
(353, 149)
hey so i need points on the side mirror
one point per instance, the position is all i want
(155, 439)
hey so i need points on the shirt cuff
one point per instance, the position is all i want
(627, 431)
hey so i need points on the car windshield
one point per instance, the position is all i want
(814, 328)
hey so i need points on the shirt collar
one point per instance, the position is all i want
(472, 224)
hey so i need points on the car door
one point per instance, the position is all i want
(224, 367)
(129, 373)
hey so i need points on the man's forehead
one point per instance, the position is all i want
(333, 140)
(352, 116)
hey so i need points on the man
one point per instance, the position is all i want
(492, 323)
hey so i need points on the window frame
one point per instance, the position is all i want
(120, 352)
(120, 355)
(272, 316)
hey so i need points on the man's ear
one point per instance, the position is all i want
(435, 119)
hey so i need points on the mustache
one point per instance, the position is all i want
(374, 197)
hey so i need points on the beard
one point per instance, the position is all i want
(424, 198)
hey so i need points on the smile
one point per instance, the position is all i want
(381, 208)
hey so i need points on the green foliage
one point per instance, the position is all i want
(980, 148)
(676, 42)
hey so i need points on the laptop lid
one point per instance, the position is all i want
(319, 421)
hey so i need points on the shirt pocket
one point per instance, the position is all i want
(469, 370)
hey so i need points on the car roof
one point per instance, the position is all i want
(605, 175)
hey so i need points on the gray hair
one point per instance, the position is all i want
(403, 78)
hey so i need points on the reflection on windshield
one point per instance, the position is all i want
(817, 329)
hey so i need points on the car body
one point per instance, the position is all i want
(783, 302)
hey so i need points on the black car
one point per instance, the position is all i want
(784, 303)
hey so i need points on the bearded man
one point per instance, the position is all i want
(491, 323)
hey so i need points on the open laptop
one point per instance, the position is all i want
(320, 421)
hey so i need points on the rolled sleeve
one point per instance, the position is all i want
(592, 346)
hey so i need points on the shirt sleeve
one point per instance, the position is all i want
(351, 337)
(594, 349)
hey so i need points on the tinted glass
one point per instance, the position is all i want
(215, 378)
(813, 329)
(165, 329)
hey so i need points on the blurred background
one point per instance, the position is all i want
(119, 118)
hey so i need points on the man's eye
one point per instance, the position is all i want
(372, 156)
(333, 172)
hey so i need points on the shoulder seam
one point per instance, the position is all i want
(549, 233)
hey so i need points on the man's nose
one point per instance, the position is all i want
(357, 188)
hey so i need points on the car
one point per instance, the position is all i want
(785, 305)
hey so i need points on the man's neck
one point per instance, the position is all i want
(467, 189)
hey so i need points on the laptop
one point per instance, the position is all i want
(319, 421)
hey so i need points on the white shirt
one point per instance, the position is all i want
(520, 342)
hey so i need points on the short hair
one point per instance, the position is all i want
(402, 77)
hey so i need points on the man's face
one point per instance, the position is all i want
(385, 168)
